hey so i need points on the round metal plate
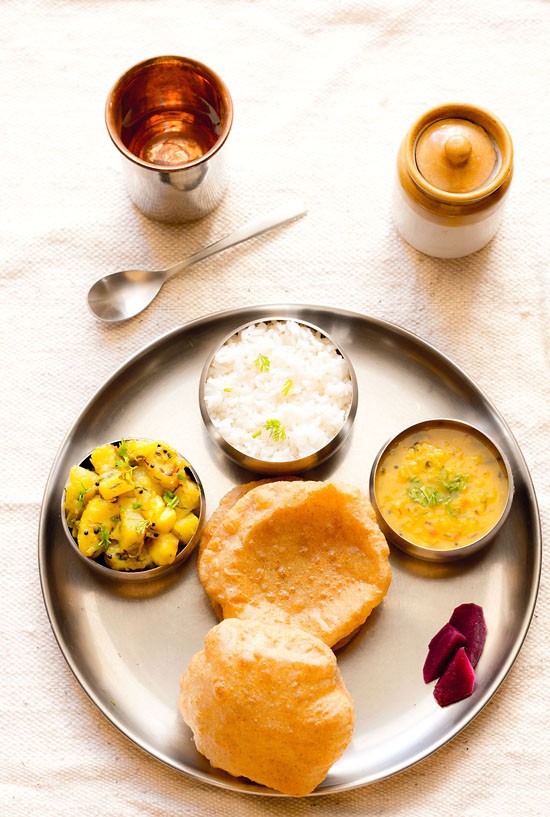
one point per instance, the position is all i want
(128, 646)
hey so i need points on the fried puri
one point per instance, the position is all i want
(267, 702)
(298, 552)
(226, 503)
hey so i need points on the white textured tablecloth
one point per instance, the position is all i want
(323, 93)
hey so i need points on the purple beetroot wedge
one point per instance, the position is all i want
(441, 649)
(469, 620)
(458, 680)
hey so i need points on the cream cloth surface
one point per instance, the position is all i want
(324, 90)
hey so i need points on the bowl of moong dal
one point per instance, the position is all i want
(441, 489)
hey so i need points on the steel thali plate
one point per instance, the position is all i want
(128, 646)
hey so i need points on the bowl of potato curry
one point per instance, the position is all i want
(133, 509)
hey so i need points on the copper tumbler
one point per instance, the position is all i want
(169, 117)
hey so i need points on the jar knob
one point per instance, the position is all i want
(458, 149)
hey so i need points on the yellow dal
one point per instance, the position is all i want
(441, 489)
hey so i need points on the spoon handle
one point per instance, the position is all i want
(281, 215)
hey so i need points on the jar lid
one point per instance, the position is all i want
(456, 158)
(456, 155)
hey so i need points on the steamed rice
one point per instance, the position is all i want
(278, 391)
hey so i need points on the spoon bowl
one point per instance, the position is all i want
(123, 295)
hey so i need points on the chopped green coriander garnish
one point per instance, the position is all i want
(428, 495)
(287, 387)
(423, 494)
(104, 536)
(452, 483)
(82, 493)
(123, 458)
(263, 363)
(276, 429)
(141, 527)
(257, 433)
(171, 500)
(136, 504)
(228, 388)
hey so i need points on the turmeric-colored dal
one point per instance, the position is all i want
(441, 488)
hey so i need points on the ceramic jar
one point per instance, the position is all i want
(454, 170)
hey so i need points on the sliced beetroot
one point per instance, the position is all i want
(469, 620)
(458, 680)
(441, 649)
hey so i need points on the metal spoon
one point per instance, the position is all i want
(123, 295)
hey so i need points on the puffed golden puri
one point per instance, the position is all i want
(299, 552)
(267, 702)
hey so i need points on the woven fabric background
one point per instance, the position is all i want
(324, 92)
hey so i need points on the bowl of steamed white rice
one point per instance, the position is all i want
(278, 396)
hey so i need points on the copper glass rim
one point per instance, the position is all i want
(279, 467)
(426, 553)
(162, 84)
(184, 551)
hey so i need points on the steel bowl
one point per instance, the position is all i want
(452, 553)
(99, 567)
(278, 467)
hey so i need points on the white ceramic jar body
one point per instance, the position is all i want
(444, 236)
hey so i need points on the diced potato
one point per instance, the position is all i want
(145, 483)
(118, 560)
(164, 465)
(80, 489)
(185, 527)
(141, 449)
(95, 526)
(130, 531)
(163, 549)
(189, 496)
(160, 516)
(104, 458)
(114, 483)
